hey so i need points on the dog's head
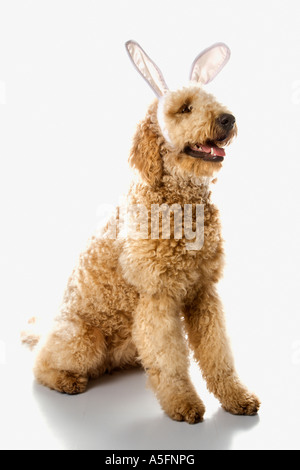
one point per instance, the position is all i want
(189, 124)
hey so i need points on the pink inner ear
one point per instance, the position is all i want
(209, 63)
(147, 68)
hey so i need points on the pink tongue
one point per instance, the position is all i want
(213, 150)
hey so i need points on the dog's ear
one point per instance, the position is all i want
(147, 68)
(209, 63)
(145, 153)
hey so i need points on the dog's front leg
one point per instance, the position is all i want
(158, 335)
(207, 335)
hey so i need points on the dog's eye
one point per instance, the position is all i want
(185, 109)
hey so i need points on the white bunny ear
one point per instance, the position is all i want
(209, 63)
(147, 68)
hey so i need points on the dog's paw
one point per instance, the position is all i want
(190, 411)
(70, 383)
(244, 403)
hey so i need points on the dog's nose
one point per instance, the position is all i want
(226, 121)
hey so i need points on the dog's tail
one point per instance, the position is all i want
(30, 337)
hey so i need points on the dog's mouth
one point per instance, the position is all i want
(209, 152)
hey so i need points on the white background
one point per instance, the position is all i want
(69, 103)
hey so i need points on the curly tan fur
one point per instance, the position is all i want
(131, 301)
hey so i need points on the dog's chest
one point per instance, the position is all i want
(206, 250)
(198, 256)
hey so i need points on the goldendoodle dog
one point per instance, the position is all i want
(145, 297)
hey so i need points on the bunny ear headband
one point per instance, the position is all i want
(204, 69)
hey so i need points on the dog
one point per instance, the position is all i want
(135, 300)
